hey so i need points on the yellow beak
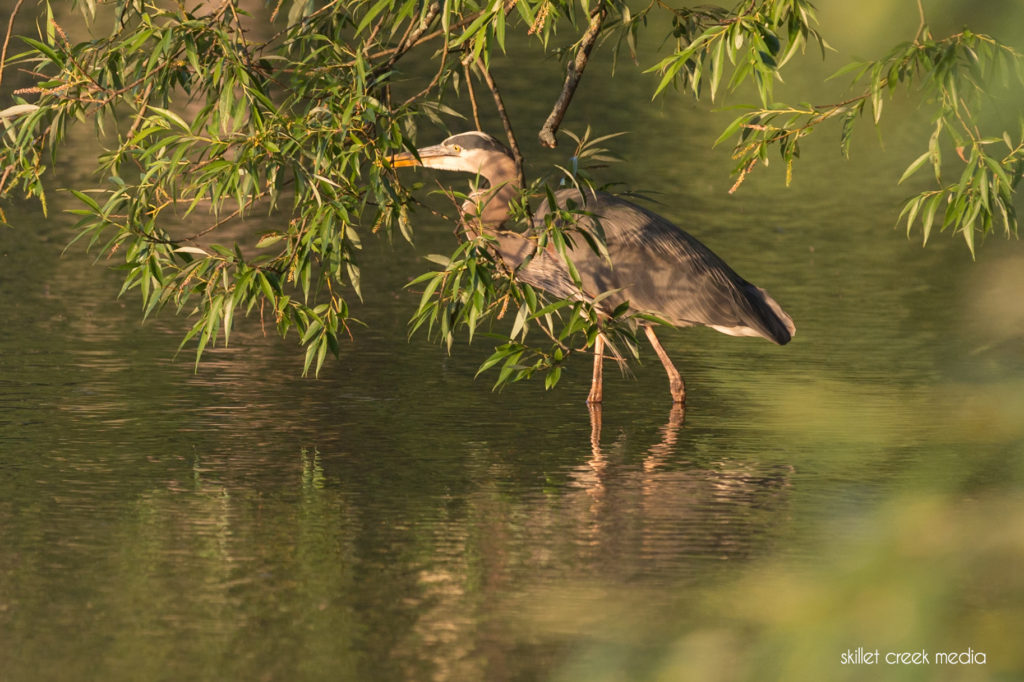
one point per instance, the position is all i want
(409, 159)
(404, 159)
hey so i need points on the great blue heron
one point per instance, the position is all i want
(653, 264)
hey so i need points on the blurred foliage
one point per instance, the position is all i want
(961, 77)
(924, 573)
(206, 120)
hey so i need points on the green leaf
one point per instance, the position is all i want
(269, 239)
(732, 128)
(372, 14)
(311, 352)
(968, 233)
(443, 261)
(717, 66)
(18, 110)
(999, 171)
(911, 209)
(497, 356)
(914, 166)
(667, 77)
(519, 324)
(229, 310)
(929, 216)
(88, 201)
(172, 117)
(45, 49)
(195, 250)
(472, 30)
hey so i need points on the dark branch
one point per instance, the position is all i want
(512, 143)
(572, 78)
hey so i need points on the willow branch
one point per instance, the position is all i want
(574, 71)
(500, 105)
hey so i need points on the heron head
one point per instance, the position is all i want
(471, 152)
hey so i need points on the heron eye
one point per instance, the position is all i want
(456, 148)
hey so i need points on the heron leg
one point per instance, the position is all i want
(675, 382)
(596, 384)
(595, 428)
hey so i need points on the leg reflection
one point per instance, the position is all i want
(669, 432)
(657, 453)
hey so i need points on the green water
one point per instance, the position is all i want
(396, 520)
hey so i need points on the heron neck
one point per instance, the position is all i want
(490, 205)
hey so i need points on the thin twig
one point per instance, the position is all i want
(323, 10)
(373, 35)
(231, 216)
(574, 72)
(381, 22)
(71, 56)
(434, 81)
(500, 105)
(472, 95)
(437, 214)
(743, 175)
(142, 112)
(277, 8)
(3, 178)
(7, 38)
(423, 38)
(409, 40)
(386, 51)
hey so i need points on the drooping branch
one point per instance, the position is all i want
(574, 72)
(500, 105)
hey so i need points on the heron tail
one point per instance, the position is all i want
(777, 325)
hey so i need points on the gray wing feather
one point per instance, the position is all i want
(655, 265)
